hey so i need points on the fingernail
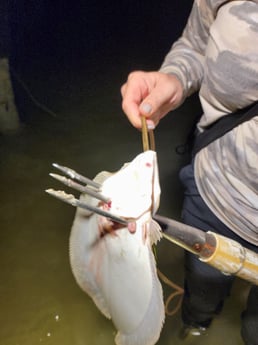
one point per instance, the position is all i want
(150, 124)
(146, 108)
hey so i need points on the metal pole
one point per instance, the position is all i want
(227, 255)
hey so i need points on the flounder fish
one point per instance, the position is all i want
(114, 264)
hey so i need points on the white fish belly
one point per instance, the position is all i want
(118, 269)
(118, 272)
(127, 279)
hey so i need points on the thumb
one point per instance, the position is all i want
(152, 117)
(151, 110)
(146, 108)
(158, 100)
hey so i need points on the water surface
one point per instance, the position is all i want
(40, 301)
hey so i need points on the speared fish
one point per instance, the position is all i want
(111, 243)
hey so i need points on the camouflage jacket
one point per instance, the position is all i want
(217, 55)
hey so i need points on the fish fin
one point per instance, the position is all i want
(101, 304)
(90, 286)
(86, 257)
(102, 176)
(148, 331)
(155, 232)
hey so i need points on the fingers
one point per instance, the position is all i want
(133, 92)
(151, 94)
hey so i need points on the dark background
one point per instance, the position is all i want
(52, 40)
(88, 29)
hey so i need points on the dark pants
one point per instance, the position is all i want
(205, 287)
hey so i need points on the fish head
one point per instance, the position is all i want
(134, 189)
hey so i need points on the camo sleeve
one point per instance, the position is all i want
(216, 55)
(187, 55)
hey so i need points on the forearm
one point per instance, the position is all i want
(186, 57)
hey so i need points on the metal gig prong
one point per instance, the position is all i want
(72, 184)
(70, 199)
(74, 175)
(61, 195)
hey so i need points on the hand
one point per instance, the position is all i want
(151, 94)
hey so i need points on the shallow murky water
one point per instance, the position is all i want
(40, 301)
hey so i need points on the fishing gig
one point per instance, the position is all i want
(111, 245)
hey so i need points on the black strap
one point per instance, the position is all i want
(224, 125)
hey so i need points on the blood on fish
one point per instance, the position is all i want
(109, 227)
(131, 227)
(149, 165)
(105, 205)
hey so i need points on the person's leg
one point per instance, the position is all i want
(249, 329)
(196, 213)
(205, 287)
(205, 291)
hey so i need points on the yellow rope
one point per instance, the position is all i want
(179, 292)
(148, 141)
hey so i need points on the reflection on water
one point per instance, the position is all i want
(40, 301)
